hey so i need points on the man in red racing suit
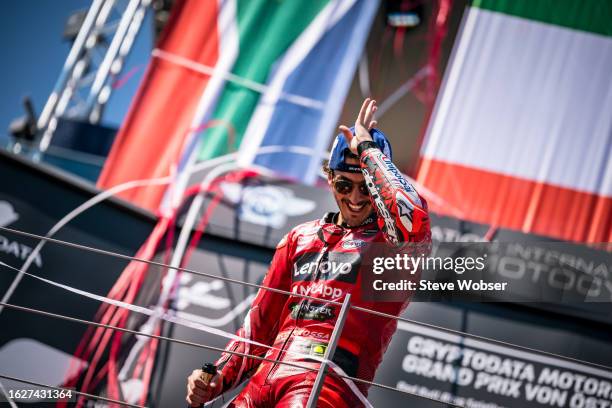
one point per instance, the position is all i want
(324, 259)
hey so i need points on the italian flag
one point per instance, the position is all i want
(521, 134)
(237, 76)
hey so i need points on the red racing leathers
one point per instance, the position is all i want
(327, 261)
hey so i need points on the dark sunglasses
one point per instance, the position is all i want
(344, 186)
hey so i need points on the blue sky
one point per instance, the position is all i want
(33, 53)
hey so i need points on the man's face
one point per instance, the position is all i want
(354, 205)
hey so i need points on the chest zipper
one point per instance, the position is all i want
(298, 316)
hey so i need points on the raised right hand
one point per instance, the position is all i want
(363, 124)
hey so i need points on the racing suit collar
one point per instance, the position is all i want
(331, 233)
(332, 218)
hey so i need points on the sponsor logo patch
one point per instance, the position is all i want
(309, 333)
(353, 243)
(311, 311)
(305, 240)
(319, 290)
(338, 266)
(399, 180)
(405, 210)
(382, 210)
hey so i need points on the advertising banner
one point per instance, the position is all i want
(428, 355)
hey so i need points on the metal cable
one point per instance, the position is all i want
(484, 339)
(204, 346)
(284, 292)
(84, 394)
(160, 264)
(138, 333)
(388, 387)
(7, 397)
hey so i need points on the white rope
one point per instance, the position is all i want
(159, 313)
(98, 198)
(402, 90)
(179, 250)
(228, 76)
(7, 397)
(69, 217)
(354, 307)
(340, 372)
(171, 279)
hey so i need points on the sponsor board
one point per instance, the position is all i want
(8, 215)
(475, 373)
(266, 204)
(18, 250)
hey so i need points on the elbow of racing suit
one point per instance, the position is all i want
(261, 323)
(402, 213)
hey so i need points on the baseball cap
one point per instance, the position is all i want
(337, 156)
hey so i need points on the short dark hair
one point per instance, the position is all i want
(325, 168)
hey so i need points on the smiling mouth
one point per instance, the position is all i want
(356, 207)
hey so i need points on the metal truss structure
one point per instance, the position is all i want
(97, 56)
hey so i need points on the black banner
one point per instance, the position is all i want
(421, 360)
